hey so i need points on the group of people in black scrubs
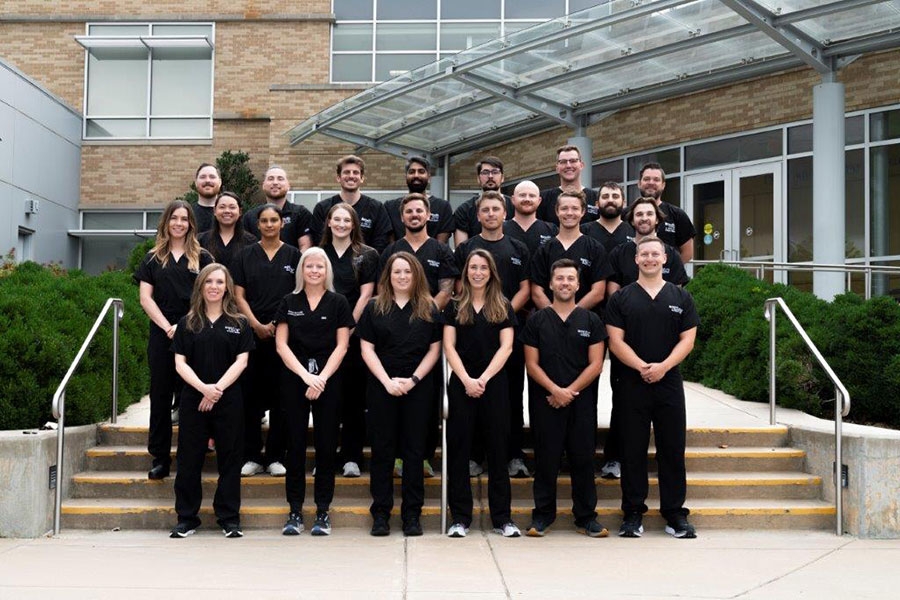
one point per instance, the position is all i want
(340, 314)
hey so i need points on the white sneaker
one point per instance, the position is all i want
(174, 416)
(457, 530)
(276, 469)
(475, 469)
(517, 468)
(251, 468)
(611, 470)
(508, 530)
(351, 469)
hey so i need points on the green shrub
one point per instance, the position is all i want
(138, 254)
(859, 339)
(45, 314)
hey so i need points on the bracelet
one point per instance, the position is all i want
(415, 379)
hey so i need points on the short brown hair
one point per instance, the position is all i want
(490, 195)
(568, 148)
(351, 159)
(629, 214)
(579, 195)
(412, 198)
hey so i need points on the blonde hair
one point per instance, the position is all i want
(495, 305)
(419, 296)
(162, 251)
(196, 317)
(329, 272)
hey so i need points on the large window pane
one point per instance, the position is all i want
(104, 220)
(181, 82)
(885, 125)
(180, 128)
(855, 203)
(607, 171)
(353, 9)
(459, 36)
(405, 10)
(534, 9)
(885, 200)
(104, 254)
(112, 128)
(470, 9)
(351, 67)
(351, 37)
(743, 148)
(388, 66)
(800, 137)
(406, 36)
(117, 82)
(670, 160)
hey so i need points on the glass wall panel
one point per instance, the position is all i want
(535, 9)
(613, 170)
(117, 82)
(470, 9)
(669, 159)
(112, 220)
(885, 199)
(406, 36)
(885, 125)
(111, 128)
(351, 67)
(353, 9)
(180, 128)
(394, 10)
(459, 36)
(182, 81)
(107, 253)
(189, 29)
(388, 66)
(800, 136)
(745, 148)
(351, 36)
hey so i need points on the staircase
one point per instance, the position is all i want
(737, 479)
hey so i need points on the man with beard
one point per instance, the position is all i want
(610, 230)
(489, 171)
(569, 167)
(440, 221)
(295, 218)
(373, 218)
(525, 226)
(208, 182)
(677, 229)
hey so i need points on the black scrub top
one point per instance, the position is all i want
(434, 256)
(211, 351)
(511, 256)
(265, 281)
(479, 341)
(625, 270)
(204, 217)
(352, 272)
(587, 253)
(373, 220)
(547, 209)
(653, 326)
(312, 334)
(225, 253)
(295, 222)
(563, 346)
(466, 216)
(439, 221)
(623, 233)
(536, 236)
(172, 284)
(677, 228)
(401, 344)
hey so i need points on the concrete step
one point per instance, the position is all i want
(751, 485)
(706, 459)
(159, 514)
(129, 435)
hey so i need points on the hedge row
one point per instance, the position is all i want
(45, 314)
(859, 339)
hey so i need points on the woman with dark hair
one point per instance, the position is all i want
(355, 267)
(264, 273)
(211, 346)
(166, 276)
(400, 337)
(478, 338)
(311, 338)
(226, 237)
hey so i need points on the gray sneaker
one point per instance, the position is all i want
(509, 530)
(517, 468)
(631, 526)
(475, 469)
(611, 470)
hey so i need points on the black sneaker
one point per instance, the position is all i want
(679, 527)
(412, 527)
(537, 528)
(381, 526)
(322, 526)
(294, 524)
(592, 528)
(184, 529)
(232, 530)
(631, 526)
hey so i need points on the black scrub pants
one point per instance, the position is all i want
(661, 404)
(325, 412)
(164, 383)
(612, 448)
(572, 429)
(352, 375)
(398, 423)
(486, 418)
(225, 423)
(261, 393)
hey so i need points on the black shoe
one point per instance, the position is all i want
(537, 528)
(679, 527)
(412, 527)
(294, 524)
(631, 526)
(184, 529)
(592, 528)
(381, 527)
(158, 472)
(232, 530)
(322, 526)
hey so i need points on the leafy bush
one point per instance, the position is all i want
(859, 339)
(45, 314)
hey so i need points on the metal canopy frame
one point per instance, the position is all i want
(616, 55)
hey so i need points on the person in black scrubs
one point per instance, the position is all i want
(524, 225)
(676, 229)
(440, 220)
(166, 276)
(311, 337)
(264, 273)
(211, 345)
(226, 236)
(208, 183)
(652, 325)
(609, 229)
(401, 337)
(569, 167)
(564, 345)
(478, 340)
(296, 220)
(355, 267)
(570, 243)
(489, 171)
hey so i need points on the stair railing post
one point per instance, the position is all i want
(445, 411)
(770, 313)
(60, 440)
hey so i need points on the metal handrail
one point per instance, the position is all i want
(445, 413)
(59, 398)
(841, 396)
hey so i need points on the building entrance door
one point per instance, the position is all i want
(738, 214)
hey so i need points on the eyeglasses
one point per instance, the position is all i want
(490, 172)
(568, 161)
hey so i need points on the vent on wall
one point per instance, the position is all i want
(31, 206)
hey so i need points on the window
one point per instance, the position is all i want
(148, 81)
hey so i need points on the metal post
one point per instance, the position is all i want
(772, 310)
(829, 223)
(838, 456)
(60, 437)
(117, 316)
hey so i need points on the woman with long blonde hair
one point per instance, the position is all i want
(166, 276)
(400, 337)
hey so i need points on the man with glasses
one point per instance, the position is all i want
(489, 171)
(568, 167)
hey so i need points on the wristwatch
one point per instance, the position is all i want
(415, 379)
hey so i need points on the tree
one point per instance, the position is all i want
(237, 177)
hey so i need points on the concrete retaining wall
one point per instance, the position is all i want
(26, 500)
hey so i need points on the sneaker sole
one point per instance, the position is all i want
(384, 533)
(319, 531)
(511, 535)
(681, 534)
(178, 534)
(534, 532)
(632, 534)
(291, 531)
(596, 534)
(233, 534)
